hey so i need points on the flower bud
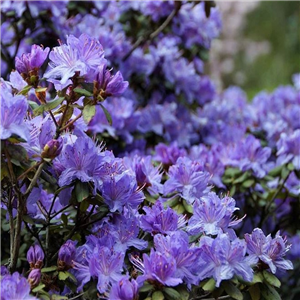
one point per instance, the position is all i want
(52, 149)
(34, 278)
(35, 257)
(66, 254)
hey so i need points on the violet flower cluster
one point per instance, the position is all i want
(126, 174)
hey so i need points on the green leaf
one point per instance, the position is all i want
(84, 206)
(242, 178)
(291, 166)
(232, 290)
(248, 183)
(83, 92)
(41, 89)
(171, 294)
(276, 171)
(187, 207)
(64, 218)
(49, 269)
(88, 113)
(172, 202)
(209, 286)
(48, 106)
(38, 288)
(81, 190)
(33, 105)
(254, 292)
(179, 208)
(232, 172)
(63, 275)
(146, 287)
(271, 279)
(182, 290)
(269, 293)
(28, 220)
(158, 295)
(58, 297)
(25, 90)
(107, 114)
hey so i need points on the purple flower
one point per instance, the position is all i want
(15, 286)
(147, 175)
(254, 156)
(35, 257)
(160, 220)
(121, 190)
(124, 289)
(13, 123)
(66, 255)
(125, 229)
(212, 215)
(107, 265)
(222, 259)
(186, 257)
(168, 155)
(108, 85)
(159, 268)
(188, 179)
(80, 55)
(269, 251)
(34, 277)
(52, 148)
(289, 149)
(31, 61)
(80, 161)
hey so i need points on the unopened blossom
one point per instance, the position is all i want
(35, 257)
(28, 64)
(66, 254)
(34, 277)
(106, 84)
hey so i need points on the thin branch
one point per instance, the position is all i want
(70, 123)
(34, 179)
(154, 34)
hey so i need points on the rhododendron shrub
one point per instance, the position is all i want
(125, 173)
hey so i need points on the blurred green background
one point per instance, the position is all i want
(275, 27)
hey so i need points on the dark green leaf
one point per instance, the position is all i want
(276, 171)
(146, 287)
(81, 190)
(232, 290)
(242, 178)
(271, 279)
(38, 288)
(64, 218)
(88, 113)
(83, 92)
(171, 294)
(63, 275)
(49, 269)
(254, 291)
(248, 183)
(209, 286)
(107, 114)
(269, 293)
(48, 106)
(28, 220)
(187, 207)
(25, 90)
(158, 295)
